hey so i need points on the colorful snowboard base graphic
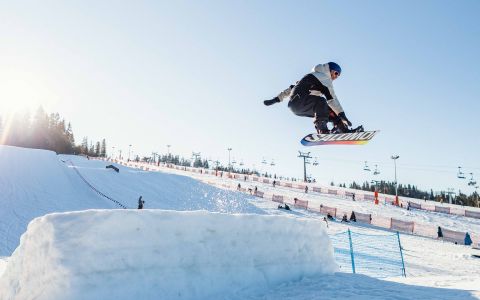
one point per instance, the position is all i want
(353, 138)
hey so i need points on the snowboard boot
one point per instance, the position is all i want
(321, 126)
(339, 127)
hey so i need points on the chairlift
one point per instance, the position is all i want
(376, 172)
(472, 181)
(272, 163)
(315, 162)
(366, 168)
(234, 161)
(241, 163)
(264, 161)
(460, 174)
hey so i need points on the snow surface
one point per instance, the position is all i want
(148, 254)
(36, 182)
(450, 221)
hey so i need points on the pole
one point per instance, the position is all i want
(401, 255)
(129, 147)
(395, 157)
(168, 153)
(352, 257)
(229, 167)
(304, 155)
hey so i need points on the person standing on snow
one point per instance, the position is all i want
(313, 96)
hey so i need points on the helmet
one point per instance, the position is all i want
(334, 67)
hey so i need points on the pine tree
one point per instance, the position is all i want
(84, 146)
(103, 149)
(91, 149)
(97, 149)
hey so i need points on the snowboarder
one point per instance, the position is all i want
(313, 96)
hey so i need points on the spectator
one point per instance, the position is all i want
(353, 196)
(239, 186)
(274, 183)
(352, 217)
(140, 203)
(344, 218)
(439, 232)
(306, 189)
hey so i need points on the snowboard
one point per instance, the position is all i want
(351, 138)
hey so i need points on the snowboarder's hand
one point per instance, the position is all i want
(344, 119)
(272, 101)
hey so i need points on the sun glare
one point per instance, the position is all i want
(16, 96)
(23, 90)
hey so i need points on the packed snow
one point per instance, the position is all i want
(162, 254)
(36, 182)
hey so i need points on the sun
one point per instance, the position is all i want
(17, 95)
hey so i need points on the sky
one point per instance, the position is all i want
(194, 74)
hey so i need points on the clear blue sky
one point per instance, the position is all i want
(193, 74)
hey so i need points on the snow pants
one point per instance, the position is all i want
(305, 105)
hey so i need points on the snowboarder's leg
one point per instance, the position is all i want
(321, 115)
(313, 107)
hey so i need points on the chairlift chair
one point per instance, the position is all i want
(366, 168)
(376, 172)
(460, 174)
(315, 162)
(472, 181)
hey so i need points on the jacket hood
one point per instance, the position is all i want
(321, 68)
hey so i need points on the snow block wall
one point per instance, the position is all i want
(158, 254)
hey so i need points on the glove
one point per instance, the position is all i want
(344, 119)
(272, 101)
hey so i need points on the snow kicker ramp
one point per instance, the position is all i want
(36, 182)
(159, 254)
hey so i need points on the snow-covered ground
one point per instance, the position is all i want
(162, 254)
(449, 221)
(36, 182)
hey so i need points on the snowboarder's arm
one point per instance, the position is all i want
(282, 96)
(332, 99)
(286, 93)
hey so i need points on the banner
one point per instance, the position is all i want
(403, 226)
(328, 210)
(363, 218)
(453, 236)
(277, 198)
(442, 209)
(415, 205)
(472, 214)
(301, 203)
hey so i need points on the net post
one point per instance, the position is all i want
(401, 255)
(351, 251)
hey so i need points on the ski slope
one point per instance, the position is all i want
(37, 182)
